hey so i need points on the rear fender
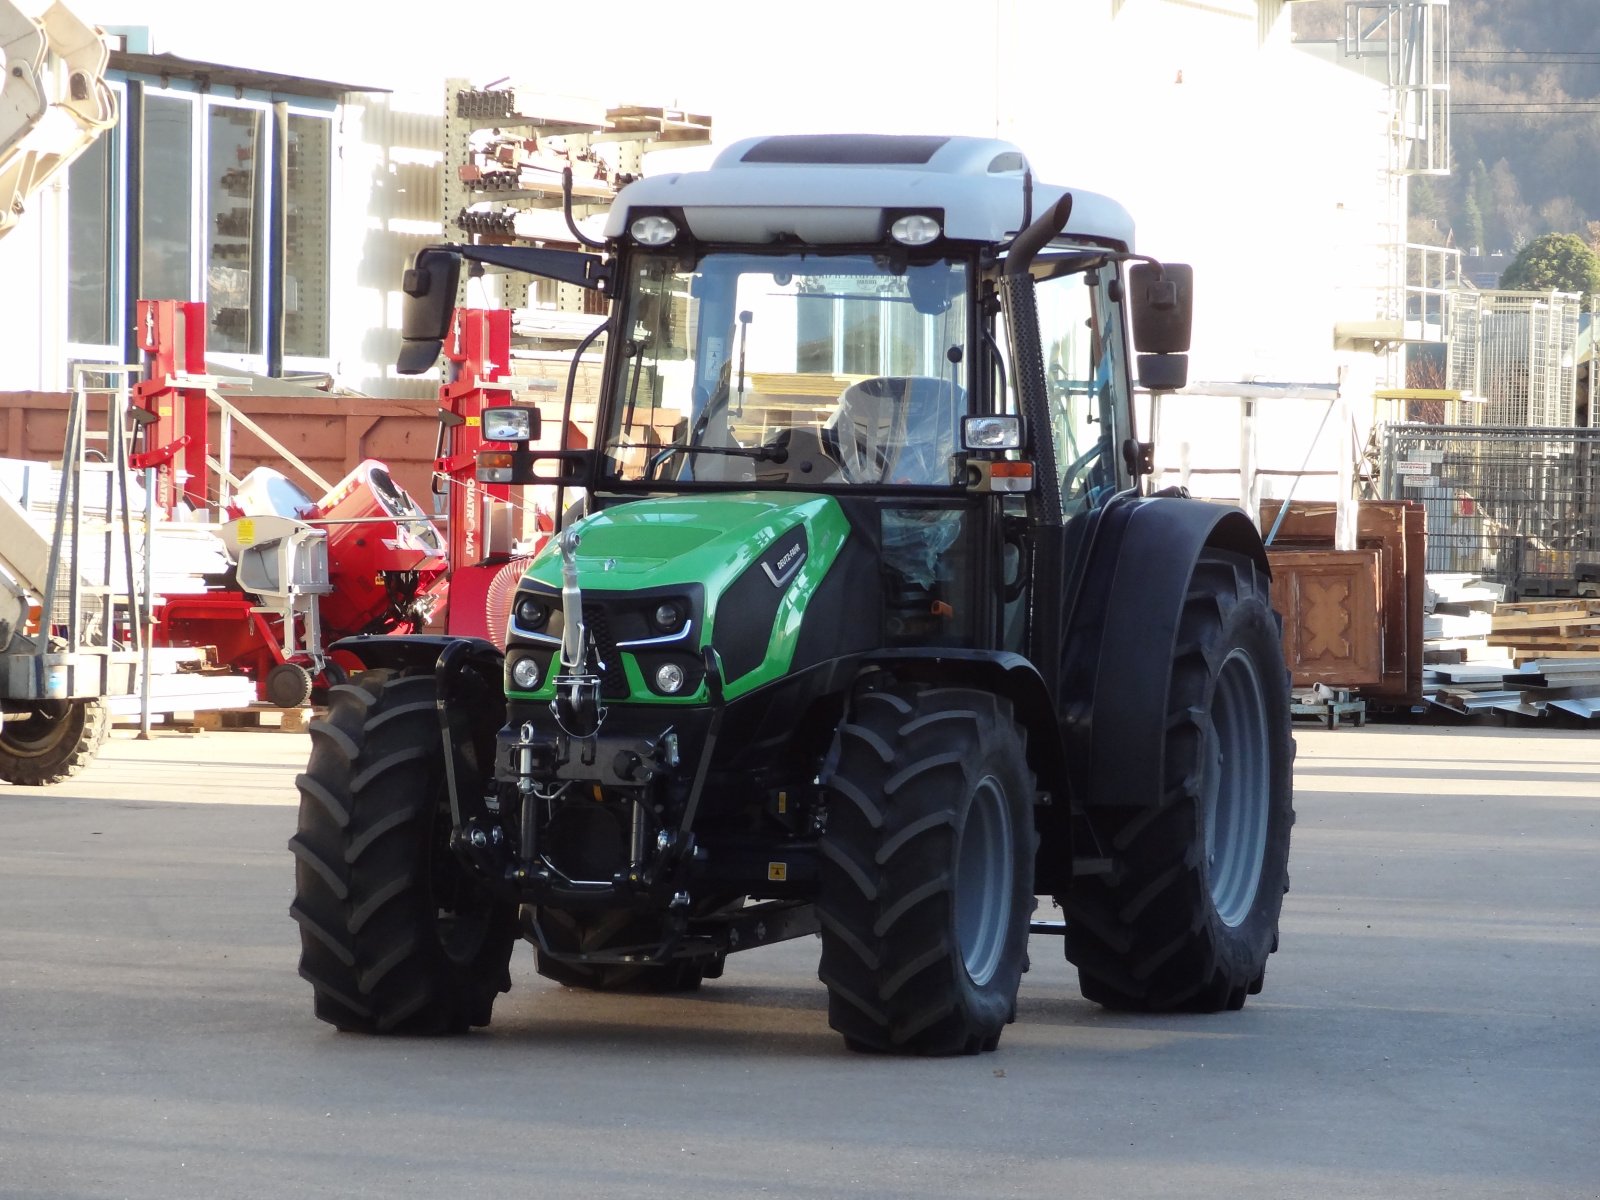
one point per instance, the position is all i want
(1123, 635)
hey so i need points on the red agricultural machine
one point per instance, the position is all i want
(364, 558)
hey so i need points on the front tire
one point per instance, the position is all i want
(926, 872)
(396, 935)
(54, 742)
(1189, 915)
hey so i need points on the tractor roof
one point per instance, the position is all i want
(835, 188)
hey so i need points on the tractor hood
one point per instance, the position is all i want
(709, 540)
(740, 570)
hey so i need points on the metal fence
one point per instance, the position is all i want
(1514, 351)
(1513, 504)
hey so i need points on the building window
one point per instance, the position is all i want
(233, 208)
(235, 189)
(305, 255)
(166, 211)
(94, 244)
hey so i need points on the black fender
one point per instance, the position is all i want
(1019, 681)
(470, 706)
(1122, 637)
(401, 652)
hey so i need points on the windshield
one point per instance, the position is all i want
(799, 369)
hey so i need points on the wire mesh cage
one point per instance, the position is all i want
(1516, 351)
(1516, 505)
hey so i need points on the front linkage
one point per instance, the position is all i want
(505, 829)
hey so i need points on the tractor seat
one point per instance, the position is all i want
(809, 460)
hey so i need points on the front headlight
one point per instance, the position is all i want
(526, 674)
(532, 614)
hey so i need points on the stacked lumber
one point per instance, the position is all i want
(1530, 630)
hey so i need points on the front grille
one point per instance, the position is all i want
(615, 686)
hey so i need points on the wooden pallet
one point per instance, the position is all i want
(265, 717)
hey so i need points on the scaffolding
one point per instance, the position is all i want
(1406, 44)
(1516, 352)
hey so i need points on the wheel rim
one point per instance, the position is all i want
(40, 732)
(1239, 792)
(983, 881)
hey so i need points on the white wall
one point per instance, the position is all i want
(33, 295)
(1258, 164)
(390, 150)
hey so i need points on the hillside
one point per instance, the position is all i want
(1525, 92)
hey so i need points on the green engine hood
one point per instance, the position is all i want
(755, 588)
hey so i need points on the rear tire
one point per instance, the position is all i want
(396, 935)
(926, 871)
(1190, 914)
(54, 742)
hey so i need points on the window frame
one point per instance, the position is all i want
(121, 348)
(114, 350)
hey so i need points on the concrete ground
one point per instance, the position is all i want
(1430, 1027)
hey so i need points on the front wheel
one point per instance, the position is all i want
(926, 874)
(55, 741)
(396, 935)
(1189, 915)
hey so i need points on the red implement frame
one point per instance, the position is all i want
(171, 334)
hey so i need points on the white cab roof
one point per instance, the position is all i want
(834, 188)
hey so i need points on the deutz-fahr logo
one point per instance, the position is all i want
(789, 562)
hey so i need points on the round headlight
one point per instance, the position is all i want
(525, 674)
(915, 229)
(531, 614)
(653, 230)
(669, 678)
(668, 617)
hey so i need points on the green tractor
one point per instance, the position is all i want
(867, 630)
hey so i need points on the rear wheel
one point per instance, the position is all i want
(53, 742)
(926, 874)
(396, 935)
(1190, 913)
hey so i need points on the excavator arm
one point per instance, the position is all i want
(54, 100)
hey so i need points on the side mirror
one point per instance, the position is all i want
(1163, 372)
(430, 286)
(1163, 312)
(1163, 306)
(510, 424)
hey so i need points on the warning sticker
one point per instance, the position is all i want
(1420, 481)
(1414, 468)
(777, 872)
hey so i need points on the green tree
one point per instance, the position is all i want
(1558, 261)
(1472, 218)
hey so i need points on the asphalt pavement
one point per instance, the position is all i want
(1429, 1029)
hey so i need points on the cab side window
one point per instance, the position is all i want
(1081, 331)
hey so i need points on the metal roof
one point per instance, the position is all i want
(210, 76)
